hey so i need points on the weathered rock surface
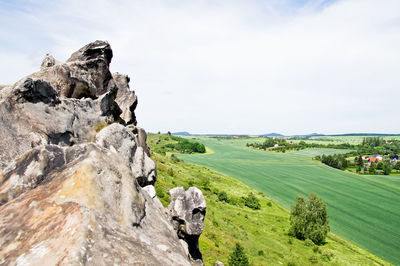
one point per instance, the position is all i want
(85, 210)
(188, 209)
(126, 98)
(85, 74)
(77, 188)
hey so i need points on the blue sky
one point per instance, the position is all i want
(249, 67)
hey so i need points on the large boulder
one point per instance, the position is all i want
(187, 210)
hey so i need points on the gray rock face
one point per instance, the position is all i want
(188, 209)
(124, 142)
(76, 187)
(85, 74)
(81, 205)
(126, 98)
(49, 106)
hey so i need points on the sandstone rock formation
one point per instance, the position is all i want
(188, 209)
(75, 186)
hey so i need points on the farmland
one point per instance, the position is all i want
(263, 232)
(363, 209)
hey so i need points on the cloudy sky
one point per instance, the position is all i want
(250, 67)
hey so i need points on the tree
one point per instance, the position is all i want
(309, 219)
(358, 169)
(397, 166)
(387, 169)
(379, 166)
(372, 169)
(360, 161)
(238, 257)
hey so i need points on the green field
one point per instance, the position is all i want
(342, 139)
(311, 153)
(363, 209)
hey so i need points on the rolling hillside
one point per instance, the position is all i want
(363, 209)
(263, 233)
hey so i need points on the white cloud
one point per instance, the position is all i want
(236, 66)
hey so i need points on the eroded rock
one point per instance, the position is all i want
(188, 209)
(48, 61)
(76, 187)
(87, 210)
(126, 98)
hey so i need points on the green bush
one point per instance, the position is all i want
(309, 219)
(387, 169)
(238, 257)
(205, 184)
(170, 172)
(222, 196)
(316, 249)
(185, 146)
(252, 202)
(327, 256)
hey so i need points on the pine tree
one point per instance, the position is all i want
(238, 257)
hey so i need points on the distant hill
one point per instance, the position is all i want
(183, 133)
(271, 135)
(309, 135)
(364, 134)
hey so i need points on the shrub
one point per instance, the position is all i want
(308, 243)
(160, 192)
(170, 172)
(174, 158)
(309, 219)
(316, 249)
(313, 259)
(238, 257)
(260, 252)
(205, 184)
(222, 196)
(327, 256)
(251, 201)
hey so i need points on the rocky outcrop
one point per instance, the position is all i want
(188, 209)
(76, 179)
(126, 98)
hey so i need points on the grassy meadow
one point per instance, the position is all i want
(364, 209)
(262, 233)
